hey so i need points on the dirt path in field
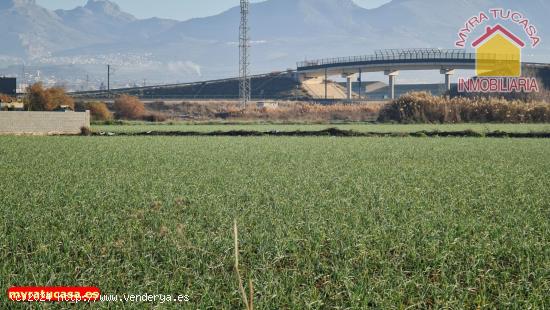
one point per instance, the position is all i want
(332, 132)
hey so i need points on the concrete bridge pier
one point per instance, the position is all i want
(349, 86)
(392, 74)
(448, 73)
(360, 81)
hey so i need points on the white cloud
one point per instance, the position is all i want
(187, 67)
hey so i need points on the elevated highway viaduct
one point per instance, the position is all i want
(286, 85)
(390, 62)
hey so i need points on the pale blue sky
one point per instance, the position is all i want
(176, 9)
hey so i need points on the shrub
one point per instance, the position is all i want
(40, 99)
(110, 122)
(36, 98)
(85, 131)
(99, 111)
(6, 99)
(129, 107)
(57, 97)
(155, 117)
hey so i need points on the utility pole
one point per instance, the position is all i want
(360, 80)
(22, 83)
(108, 80)
(326, 84)
(244, 56)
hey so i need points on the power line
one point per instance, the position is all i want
(244, 55)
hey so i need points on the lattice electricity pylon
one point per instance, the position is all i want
(244, 56)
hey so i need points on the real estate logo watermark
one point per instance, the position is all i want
(498, 52)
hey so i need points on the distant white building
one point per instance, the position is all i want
(12, 106)
(22, 89)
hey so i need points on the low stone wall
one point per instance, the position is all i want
(43, 123)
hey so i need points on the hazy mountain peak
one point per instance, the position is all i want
(103, 6)
(23, 2)
(101, 18)
(108, 8)
(338, 3)
(6, 4)
(283, 31)
(20, 2)
(315, 4)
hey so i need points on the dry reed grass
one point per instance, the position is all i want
(282, 111)
(422, 107)
(415, 107)
(248, 301)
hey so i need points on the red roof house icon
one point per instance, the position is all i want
(498, 28)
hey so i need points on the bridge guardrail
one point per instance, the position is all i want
(394, 55)
(153, 87)
(405, 55)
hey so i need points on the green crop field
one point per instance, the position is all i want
(324, 223)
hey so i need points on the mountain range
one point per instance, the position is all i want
(283, 32)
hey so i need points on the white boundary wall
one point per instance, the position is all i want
(43, 123)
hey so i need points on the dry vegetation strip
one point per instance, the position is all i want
(279, 111)
(421, 107)
(415, 107)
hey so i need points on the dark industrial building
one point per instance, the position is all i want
(8, 86)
